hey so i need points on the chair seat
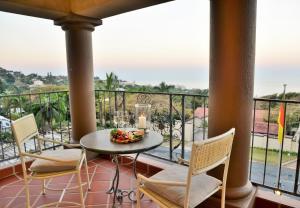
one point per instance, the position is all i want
(47, 166)
(202, 186)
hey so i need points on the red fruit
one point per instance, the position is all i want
(119, 131)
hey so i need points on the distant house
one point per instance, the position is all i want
(297, 134)
(201, 114)
(4, 123)
(120, 89)
(37, 83)
(200, 118)
(261, 126)
(126, 83)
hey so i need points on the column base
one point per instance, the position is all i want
(239, 192)
(245, 202)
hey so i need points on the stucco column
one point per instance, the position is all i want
(231, 80)
(78, 33)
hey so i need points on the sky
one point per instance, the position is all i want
(157, 44)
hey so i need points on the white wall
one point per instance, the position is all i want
(288, 144)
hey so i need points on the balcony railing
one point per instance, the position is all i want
(180, 118)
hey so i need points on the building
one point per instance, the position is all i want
(4, 123)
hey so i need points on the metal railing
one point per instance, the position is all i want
(51, 111)
(180, 118)
(275, 164)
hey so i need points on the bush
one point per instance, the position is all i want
(6, 137)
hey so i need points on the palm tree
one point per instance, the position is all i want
(112, 83)
(49, 113)
(163, 87)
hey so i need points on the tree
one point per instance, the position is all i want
(2, 86)
(112, 83)
(49, 113)
(163, 87)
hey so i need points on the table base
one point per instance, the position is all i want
(119, 194)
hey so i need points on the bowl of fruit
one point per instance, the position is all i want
(121, 136)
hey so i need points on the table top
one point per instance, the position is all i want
(99, 141)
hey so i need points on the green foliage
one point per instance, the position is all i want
(112, 81)
(163, 87)
(6, 137)
(14, 82)
(272, 157)
(50, 112)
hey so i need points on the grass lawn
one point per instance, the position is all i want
(272, 156)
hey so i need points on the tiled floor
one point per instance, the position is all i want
(101, 171)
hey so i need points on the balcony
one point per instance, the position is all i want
(180, 118)
(231, 80)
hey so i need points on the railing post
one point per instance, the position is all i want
(194, 118)
(183, 124)
(297, 170)
(252, 142)
(204, 121)
(116, 101)
(124, 102)
(171, 126)
(104, 108)
(267, 143)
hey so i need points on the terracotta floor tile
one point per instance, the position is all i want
(83, 178)
(48, 198)
(92, 169)
(20, 202)
(62, 179)
(9, 180)
(107, 164)
(101, 173)
(103, 177)
(97, 206)
(35, 182)
(98, 160)
(97, 186)
(91, 163)
(5, 201)
(33, 190)
(123, 205)
(72, 197)
(102, 169)
(98, 198)
(10, 191)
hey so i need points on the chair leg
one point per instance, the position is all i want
(138, 194)
(27, 192)
(223, 198)
(43, 187)
(80, 189)
(87, 174)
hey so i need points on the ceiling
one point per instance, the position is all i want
(56, 9)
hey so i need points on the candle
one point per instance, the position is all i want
(142, 122)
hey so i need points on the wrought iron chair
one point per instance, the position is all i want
(48, 164)
(181, 186)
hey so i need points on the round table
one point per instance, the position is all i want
(99, 141)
